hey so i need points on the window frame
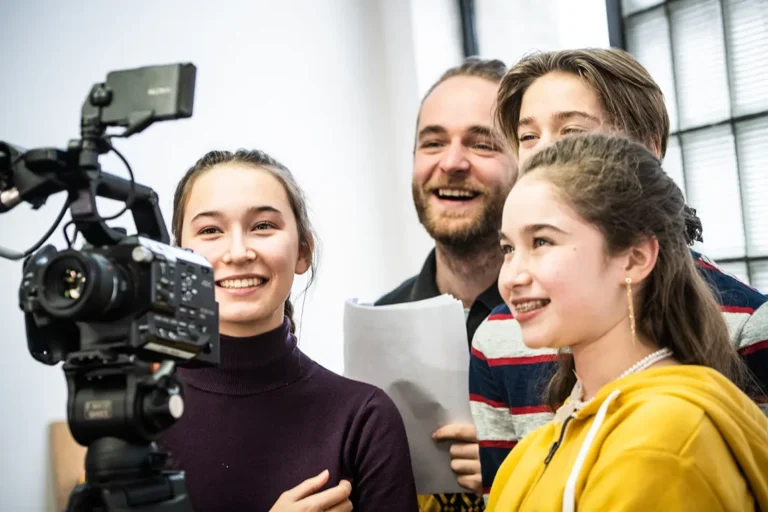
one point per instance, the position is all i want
(617, 31)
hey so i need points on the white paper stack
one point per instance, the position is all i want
(417, 352)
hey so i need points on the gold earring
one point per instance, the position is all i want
(628, 280)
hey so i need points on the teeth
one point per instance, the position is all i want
(240, 283)
(452, 192)
(524, 307)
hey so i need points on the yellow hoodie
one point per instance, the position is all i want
(672, 438)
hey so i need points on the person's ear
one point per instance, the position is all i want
(655, 147)
(640, 259)
(305, 257)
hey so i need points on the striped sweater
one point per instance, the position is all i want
(507, 379)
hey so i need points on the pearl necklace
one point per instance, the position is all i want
(575, 403)
(648, 361)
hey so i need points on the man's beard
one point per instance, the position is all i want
(475, 234)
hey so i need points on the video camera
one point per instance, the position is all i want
(123, 311)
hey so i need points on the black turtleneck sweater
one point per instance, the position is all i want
(269, 417)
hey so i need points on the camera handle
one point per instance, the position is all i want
(91, 183)
(52, 171)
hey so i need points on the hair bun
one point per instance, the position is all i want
(693, 228)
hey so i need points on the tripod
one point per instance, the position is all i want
(128, 477)
(116, 407)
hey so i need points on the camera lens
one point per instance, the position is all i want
(81, 285)
(72, 284)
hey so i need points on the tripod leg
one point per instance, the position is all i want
(84, 498)
(165, 493)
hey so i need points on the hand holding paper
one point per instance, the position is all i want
(465, 454)
(418, 354)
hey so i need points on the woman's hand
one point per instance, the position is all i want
(302, 498)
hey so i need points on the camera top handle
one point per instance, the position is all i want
(133, 99)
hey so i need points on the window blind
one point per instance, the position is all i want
(746, 31)
(698, 48)
(673, 162)
(759, 271)
(710, 60)
(647, 37)
(713, 189)
(752, 145)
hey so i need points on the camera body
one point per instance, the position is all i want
(118, 295)
(137, 297)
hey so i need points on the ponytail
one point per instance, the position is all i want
(288, 308)
(562, 382)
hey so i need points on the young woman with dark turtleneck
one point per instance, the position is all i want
(270, 429)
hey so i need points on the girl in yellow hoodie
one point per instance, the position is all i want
(595, 236)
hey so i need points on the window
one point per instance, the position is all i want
(709, 57)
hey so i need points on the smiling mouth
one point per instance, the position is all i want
(455, 194)
(531, 305)
(239, 284)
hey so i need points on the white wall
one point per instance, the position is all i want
(330, 88)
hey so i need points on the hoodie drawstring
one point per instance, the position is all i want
(569, 495)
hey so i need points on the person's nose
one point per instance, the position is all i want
(545, 139)
(239, 252)
(455, 158)
(514, 274)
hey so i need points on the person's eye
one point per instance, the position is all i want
(541, 242)
(210, 230)
(260, 226)
(430, 144)
(486, 146)
(507, 249)
(573, 130)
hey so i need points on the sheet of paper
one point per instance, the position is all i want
(418, 354)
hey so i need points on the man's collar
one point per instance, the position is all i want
(491, 297)
(425, 286)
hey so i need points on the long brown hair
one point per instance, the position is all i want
(633, 101)
(618, 186)
(256, 158)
